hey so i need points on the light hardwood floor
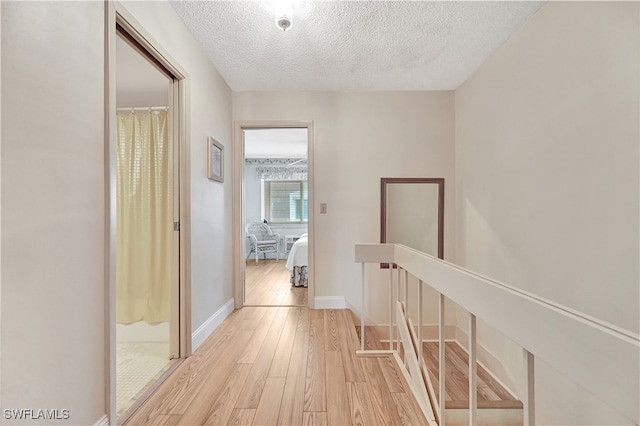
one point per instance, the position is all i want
(282, 366)
(267, 284)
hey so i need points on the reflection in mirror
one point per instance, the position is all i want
(412, 213)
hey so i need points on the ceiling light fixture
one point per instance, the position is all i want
(284, 14)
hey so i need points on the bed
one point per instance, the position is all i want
(297, 262)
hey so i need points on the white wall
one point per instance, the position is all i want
(0, 213)
(359, 138)
(547, 170)
(53, 218)
(210, 115)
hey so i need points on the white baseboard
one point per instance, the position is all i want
(356, 315)
(429, 332)
(201, 334)
(102, 421)
(329, 302)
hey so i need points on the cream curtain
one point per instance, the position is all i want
(144, 217)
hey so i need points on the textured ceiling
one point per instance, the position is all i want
(351, 45)
(275, 143)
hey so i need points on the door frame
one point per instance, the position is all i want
(239, 216)
(117, 15)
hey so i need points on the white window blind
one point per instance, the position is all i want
(286, 201)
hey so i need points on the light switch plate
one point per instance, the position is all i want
(323, 208)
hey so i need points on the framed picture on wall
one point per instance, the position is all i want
(215, 160)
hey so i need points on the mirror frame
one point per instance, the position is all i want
(383, 208)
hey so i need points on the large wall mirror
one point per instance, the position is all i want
(412, 214)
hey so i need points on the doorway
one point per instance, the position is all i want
(275, 217)
(148, 280)
(145, 258)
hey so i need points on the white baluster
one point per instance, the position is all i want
(420, 358)
(362, 312)
(473, 382)
(395, 307)
(442, 350)
(529, 396)
(406, 293)
(391, 307)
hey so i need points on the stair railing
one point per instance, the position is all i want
(602, 358)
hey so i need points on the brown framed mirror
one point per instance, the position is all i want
(412, 214)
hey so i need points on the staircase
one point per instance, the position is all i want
(597, 356)
(496, 405)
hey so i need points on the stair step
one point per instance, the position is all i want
(496, 405)
(491, 394)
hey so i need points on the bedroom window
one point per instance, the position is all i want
(286, 201)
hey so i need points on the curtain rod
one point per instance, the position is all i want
(155, 108)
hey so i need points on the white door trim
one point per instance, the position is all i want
(116, 13)
(239, 208)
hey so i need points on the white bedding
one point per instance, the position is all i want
(298, 256)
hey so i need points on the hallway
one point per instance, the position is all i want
(268, 284)
(282, 366)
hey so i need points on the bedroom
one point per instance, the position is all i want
(276, 217)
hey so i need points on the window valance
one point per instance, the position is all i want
(281, 173)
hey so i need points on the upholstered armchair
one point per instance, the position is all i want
(262, 240)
